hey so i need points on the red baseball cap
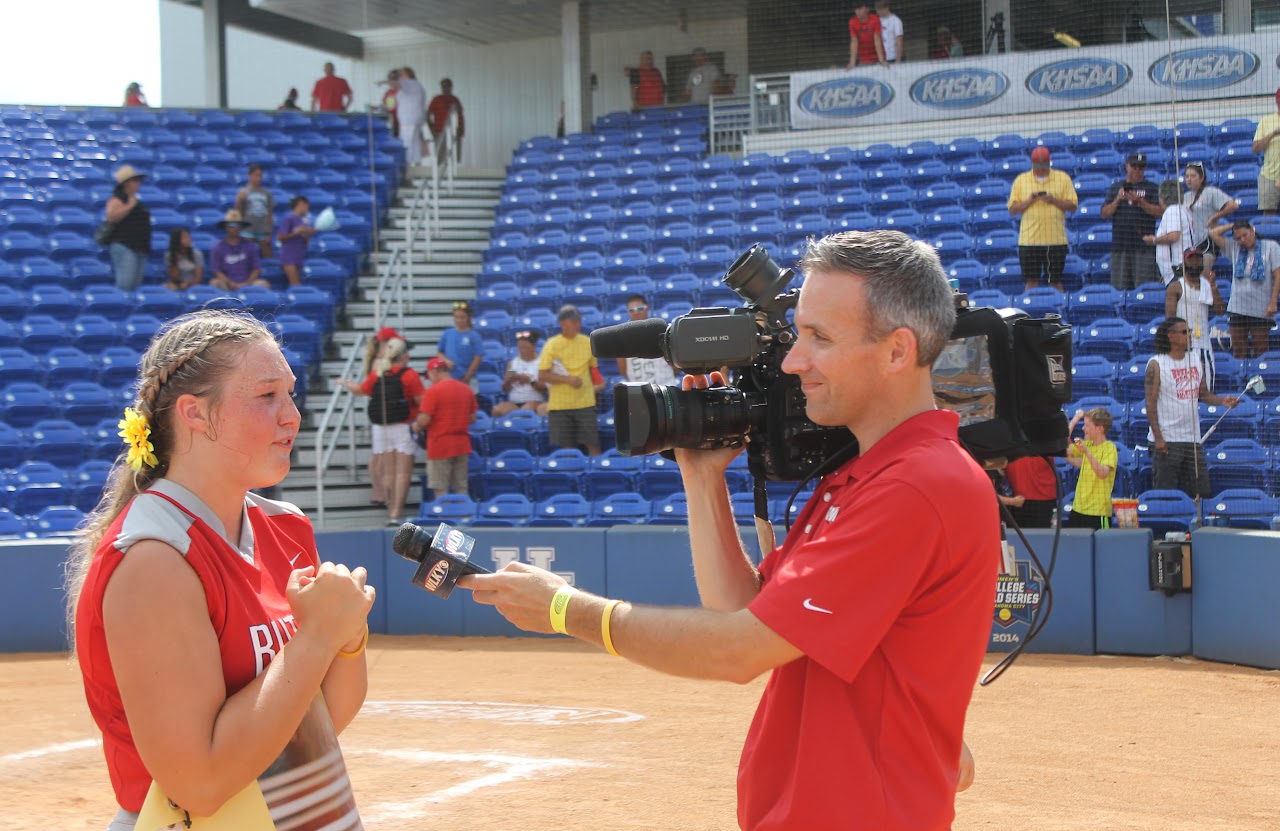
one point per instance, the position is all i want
(437, 363)
(1040, 156)
(387, 333)
(1192, 252)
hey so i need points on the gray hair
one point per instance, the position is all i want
(905, 285)
(1168, 192)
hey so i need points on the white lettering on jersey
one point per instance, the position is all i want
(269, 638)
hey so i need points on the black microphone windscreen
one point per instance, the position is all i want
(633, 339)
(401, 541)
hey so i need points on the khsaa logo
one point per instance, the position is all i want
(1078, 78)
(846, 97)
(959, 89)
(1208, 67)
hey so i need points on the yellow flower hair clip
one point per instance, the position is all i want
(135, 432)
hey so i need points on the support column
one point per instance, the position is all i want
(215, 55)
(1237, 17)
(575, 44)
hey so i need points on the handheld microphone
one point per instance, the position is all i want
(442, 558)
(633, 339)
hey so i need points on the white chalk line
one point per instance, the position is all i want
(50, 750)
(506, 713)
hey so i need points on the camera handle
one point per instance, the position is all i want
(764, 528)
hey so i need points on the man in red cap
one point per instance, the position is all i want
(446, 411)
(1264, 142)
(1043, 197)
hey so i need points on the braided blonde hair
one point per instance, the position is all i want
(193, 355)
(392, 351)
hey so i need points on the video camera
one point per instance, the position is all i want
(1006, 375)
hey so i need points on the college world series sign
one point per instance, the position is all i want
(1103, 76)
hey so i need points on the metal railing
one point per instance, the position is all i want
(766, 108)
(341, 413)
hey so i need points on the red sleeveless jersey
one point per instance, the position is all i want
(244, 589)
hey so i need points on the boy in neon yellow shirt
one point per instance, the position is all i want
(1096, 457)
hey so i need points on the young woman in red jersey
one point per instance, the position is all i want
(219, 654)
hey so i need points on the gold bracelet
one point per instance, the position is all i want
(605, 619)
(359, 649)
(560, 607)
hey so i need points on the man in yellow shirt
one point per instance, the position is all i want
(1043, 197)
(569, 370)
(1265, 142)
(1096, 457)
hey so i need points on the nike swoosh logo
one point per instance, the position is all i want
(295, 557)
(808, 604)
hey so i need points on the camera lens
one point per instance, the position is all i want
(756, 277)
(649, 418)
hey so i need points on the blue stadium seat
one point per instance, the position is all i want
(86, 402)
(138, 331)
(1240, 422)
(658, 478)
(1165, 510)
(1095, 301)
(65, 364)
(506, 510)
(1237, 463)
(989, 297)
(12, 527)
(516, 431)
(619, 509)
(850, 175)
(1110, 337)
(92, 333)
(1145, 302)
(451, 508)
(1249, 508)
(565, 510)
(672, 509)
(996, 245)
(40, 333)
(57, 521)
(17, 365)
(1130, 383)
(610, 473)
(1092, 140)
(58, 442)
(38, 485)
(1093, 375)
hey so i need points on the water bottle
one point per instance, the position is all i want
(1053, 519)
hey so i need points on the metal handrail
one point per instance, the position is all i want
(343, 406)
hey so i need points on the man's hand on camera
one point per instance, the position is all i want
(520, 592)
(709, 463)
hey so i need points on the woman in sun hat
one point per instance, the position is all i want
(129, 236)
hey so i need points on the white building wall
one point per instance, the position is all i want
(509, 91)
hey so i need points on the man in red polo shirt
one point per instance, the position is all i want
(331, 94)
(446, 411)
(866, 44)
(873, 616)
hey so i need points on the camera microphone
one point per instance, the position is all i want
(633, 339)
(442, 558)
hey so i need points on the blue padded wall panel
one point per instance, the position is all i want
(655, 564)
(362, 548)
(1069, 630)
(567, 551)
(411, 610)
(1235, 616)
(1130, 618)
(32, 614)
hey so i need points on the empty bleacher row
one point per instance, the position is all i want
(70, 340)
(633, 208)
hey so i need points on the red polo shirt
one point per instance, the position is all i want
(328, 93)
(886, 583)
(865, 34)
(1033, 477)
(451, 405)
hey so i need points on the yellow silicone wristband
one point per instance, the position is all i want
(560, 606)
(605, 619)
(359, 649)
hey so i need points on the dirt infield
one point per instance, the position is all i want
(511, 735)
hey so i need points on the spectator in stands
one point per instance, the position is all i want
(258, 207)
(1133, 214)
(1174, 386)
(290, 102)
(129, 237)
(411, 114)
(1195, 298)
(647, 87)
(1264, 142)
(520, 381)
(1034, 480)
(871, 660)
(294, 233)
(946, 45)
(865, 43)
(331, 94)
(393, 391)
(184, 262)
(573, 378)
(133, 96)
(645, 370)
(702, 78)
(1208, 206)
(438, 112)
(1043, 197)
(461, 347)
(182, 560)
(891, 32)
(372, 351)
(1255, 282)
(448, 407)
(1096, 458)
(389, 99)
(235, 261)
(1174, 233)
